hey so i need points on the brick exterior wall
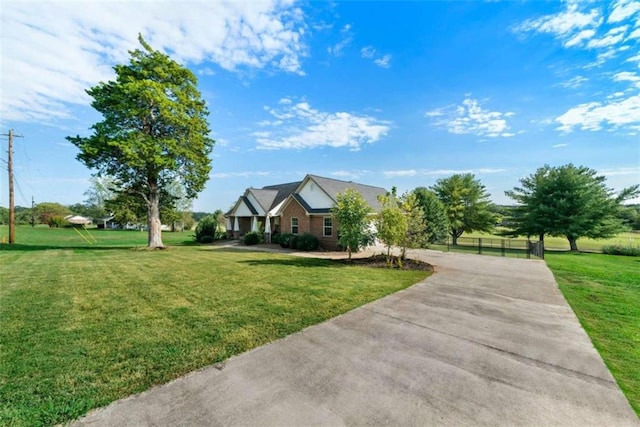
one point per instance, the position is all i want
(313, 224)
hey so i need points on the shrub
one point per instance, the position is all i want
(56, 221)
(275, 238)
(285, 239)
(206, 239)
(307, 242)
(621, 250)
(207, 227)
(293, 242)
(251, 238)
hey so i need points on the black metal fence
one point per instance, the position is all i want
(519, 248)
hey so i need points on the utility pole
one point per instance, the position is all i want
(12, 209)
(12, 213)
(33, 218)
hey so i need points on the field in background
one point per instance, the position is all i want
(604, 292)
(84, 325)
(584, 244)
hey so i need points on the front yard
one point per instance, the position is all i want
(82, 327)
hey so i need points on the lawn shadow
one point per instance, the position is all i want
(295, 262)
(33, 248)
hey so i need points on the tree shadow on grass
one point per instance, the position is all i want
(33, 248)
(294, 262)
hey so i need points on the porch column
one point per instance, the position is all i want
(254, 223)
(236, 228)
(267, 229)
(228, 229)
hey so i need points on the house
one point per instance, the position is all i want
(296, 208)
(78, 220)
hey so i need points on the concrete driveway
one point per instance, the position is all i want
(484, 341)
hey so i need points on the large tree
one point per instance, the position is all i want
(466, 204)
(570, 201)
(154, 131)
(434, 215)
(352, 213)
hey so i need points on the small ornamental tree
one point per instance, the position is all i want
(391, 223)
(416, 233)
(466, 203)
(154, 131)
(351, 212)
(570, 201)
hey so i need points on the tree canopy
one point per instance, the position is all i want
(434, 215)
(569, 201)
(351, 211)
(154, 131)
(466, 204)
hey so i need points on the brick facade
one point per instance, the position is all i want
(312, 224)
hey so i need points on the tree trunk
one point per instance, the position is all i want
(454, 238)
(153, 217)
(572, 243)
(541, 237)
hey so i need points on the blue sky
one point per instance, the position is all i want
(382, 93)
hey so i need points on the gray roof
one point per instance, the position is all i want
(265, 197)
(284, 190)
(334, 186)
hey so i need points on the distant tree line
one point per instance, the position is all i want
(566, 201)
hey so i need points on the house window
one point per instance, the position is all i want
(294, 225)
(328, 227)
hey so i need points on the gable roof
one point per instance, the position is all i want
(273, 198)
(334, 186)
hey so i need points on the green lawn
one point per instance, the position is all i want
(84, 325)
(604, 292)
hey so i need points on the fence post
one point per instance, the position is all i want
(480, 245)
(502, 252)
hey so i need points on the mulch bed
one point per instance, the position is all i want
(380, 261)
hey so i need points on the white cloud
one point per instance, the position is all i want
(400, 173)
(367, 52)
(559, 145)
(626, 76)
(595, 116)
(59, 49)
(574, 82)
(563, 23)
(471, 118)
(623, 9)
(620, 171)
(608, 40)
(305, 127)
(579, 38)
(383, 61)
(347, 38)
(238, 174)
(635, 34)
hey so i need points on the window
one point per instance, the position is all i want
(294, 225)
(328, 227)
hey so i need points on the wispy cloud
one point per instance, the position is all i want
(595, 116)
(346, 39)
(559, 145)
(247, 174)
(574, 82)
(382, 61)
(60, 48)
(299, 126)
(604, 32)
(471, 118)
(439, 172)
